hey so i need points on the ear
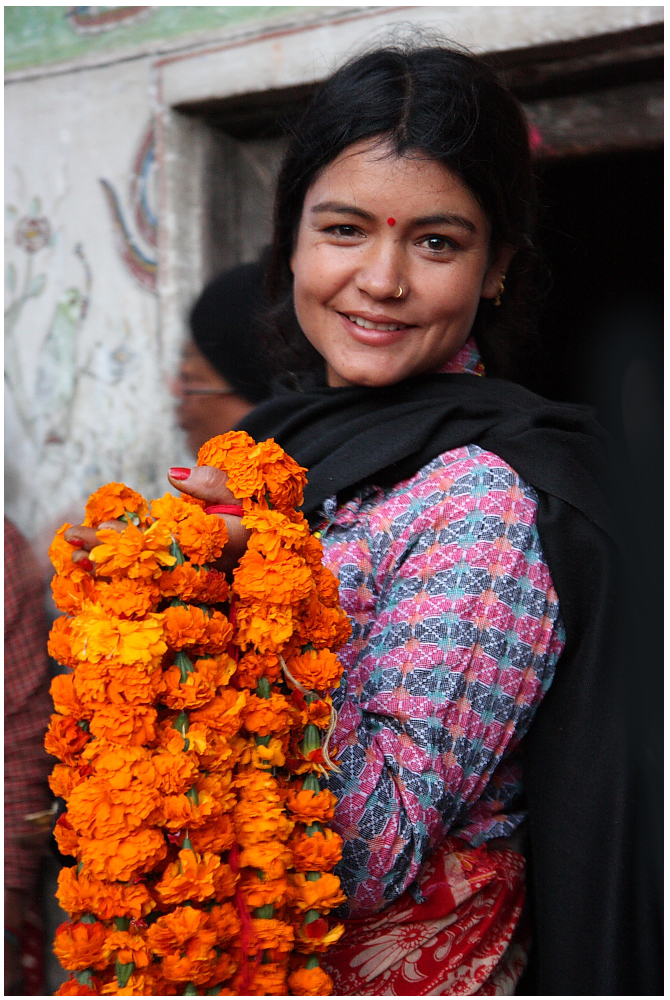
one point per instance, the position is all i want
(496, 271)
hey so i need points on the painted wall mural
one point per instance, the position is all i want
(35, 36)
(141, 263)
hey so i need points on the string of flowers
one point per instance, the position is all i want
(191, 731)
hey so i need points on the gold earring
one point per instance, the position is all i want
(496, 301)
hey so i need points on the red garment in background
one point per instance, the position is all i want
(460, 941)
(27, 711)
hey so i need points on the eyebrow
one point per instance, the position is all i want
(425, 220)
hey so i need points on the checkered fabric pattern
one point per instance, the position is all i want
(27, 707)
(456, 635)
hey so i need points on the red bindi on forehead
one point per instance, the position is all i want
(391, 221)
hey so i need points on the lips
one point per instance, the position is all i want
(374, 333)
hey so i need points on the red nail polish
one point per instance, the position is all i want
(179, 473)
(85, 564)
(76, 543)
(226, 508)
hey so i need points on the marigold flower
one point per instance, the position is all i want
(225, 923)
(269, 979)
(191, 627)
(317, 713)
(271, 933)
(324, 894)
(127, 598)
(65, 837)
(321, 626)
(60, 554)
(189, 877)
(97, 810)
(80, 892)
(130, 724)
(284, 580)
(252, 666)
(65, 739)
(217, 835)
(311, 807)
(62, 780)
(80, 946)
(267, 627)
(133, 553)
(316, 670)
(272, 858)
(260, 893)
(121, 858)
(97, 635)
(73, 988)
(223, 713)
(111, 502)
(170, 934)
(60, 642)
(65, 697)
(318, 853)
(69, 594)
(193, 583)
(284, 479)
(235, 453)
(273, 531)
(310, 983)
(126, 947)
(140, 984)
(315, 937)
(133, 684)
(200, 536)
(180, 812)
(176, 771)
(267, 715)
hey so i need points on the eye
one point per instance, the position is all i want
(438, 244)
(344, 230)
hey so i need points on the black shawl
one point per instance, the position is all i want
(590, 763)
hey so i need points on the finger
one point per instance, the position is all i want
(82, 537)
(203, 482)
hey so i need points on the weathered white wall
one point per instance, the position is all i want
(85, 403)
(89, 341)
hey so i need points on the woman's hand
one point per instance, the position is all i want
(204, 483)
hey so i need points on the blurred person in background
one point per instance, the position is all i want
(224, 371)
(27, 713)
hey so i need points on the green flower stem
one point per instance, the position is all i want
(311, 740)
(263, 688)
(312, 962)
(186, 843)
(84, 976)
(313, 828)
(192, 794)
(177, 553)
(262, 741)
(191, 991)
(181, 723)
(185, 666)
(124, 972)
(130, 518)
(311, 916)
(265, 912)
(311, 783)
(213, 991)
(87, 918)
(122, 923)
(312, 876)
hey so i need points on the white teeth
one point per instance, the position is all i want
(367, 325)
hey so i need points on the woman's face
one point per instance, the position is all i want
(350, 260)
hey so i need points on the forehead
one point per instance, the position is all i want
(372, 176)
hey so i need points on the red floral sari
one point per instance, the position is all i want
(460, 941)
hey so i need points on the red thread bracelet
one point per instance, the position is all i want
(226, 508)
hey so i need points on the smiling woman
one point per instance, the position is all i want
(348, 265)
(485, 712)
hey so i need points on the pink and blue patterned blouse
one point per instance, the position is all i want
(456, 635)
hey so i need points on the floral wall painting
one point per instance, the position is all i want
(45, 408)
(93, 20)
(140, 262)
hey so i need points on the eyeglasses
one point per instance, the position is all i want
(194, 391)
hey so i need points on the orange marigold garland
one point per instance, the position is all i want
(191, 732)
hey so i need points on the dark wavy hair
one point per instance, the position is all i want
(444, 104)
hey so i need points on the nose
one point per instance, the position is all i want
(380, 272)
